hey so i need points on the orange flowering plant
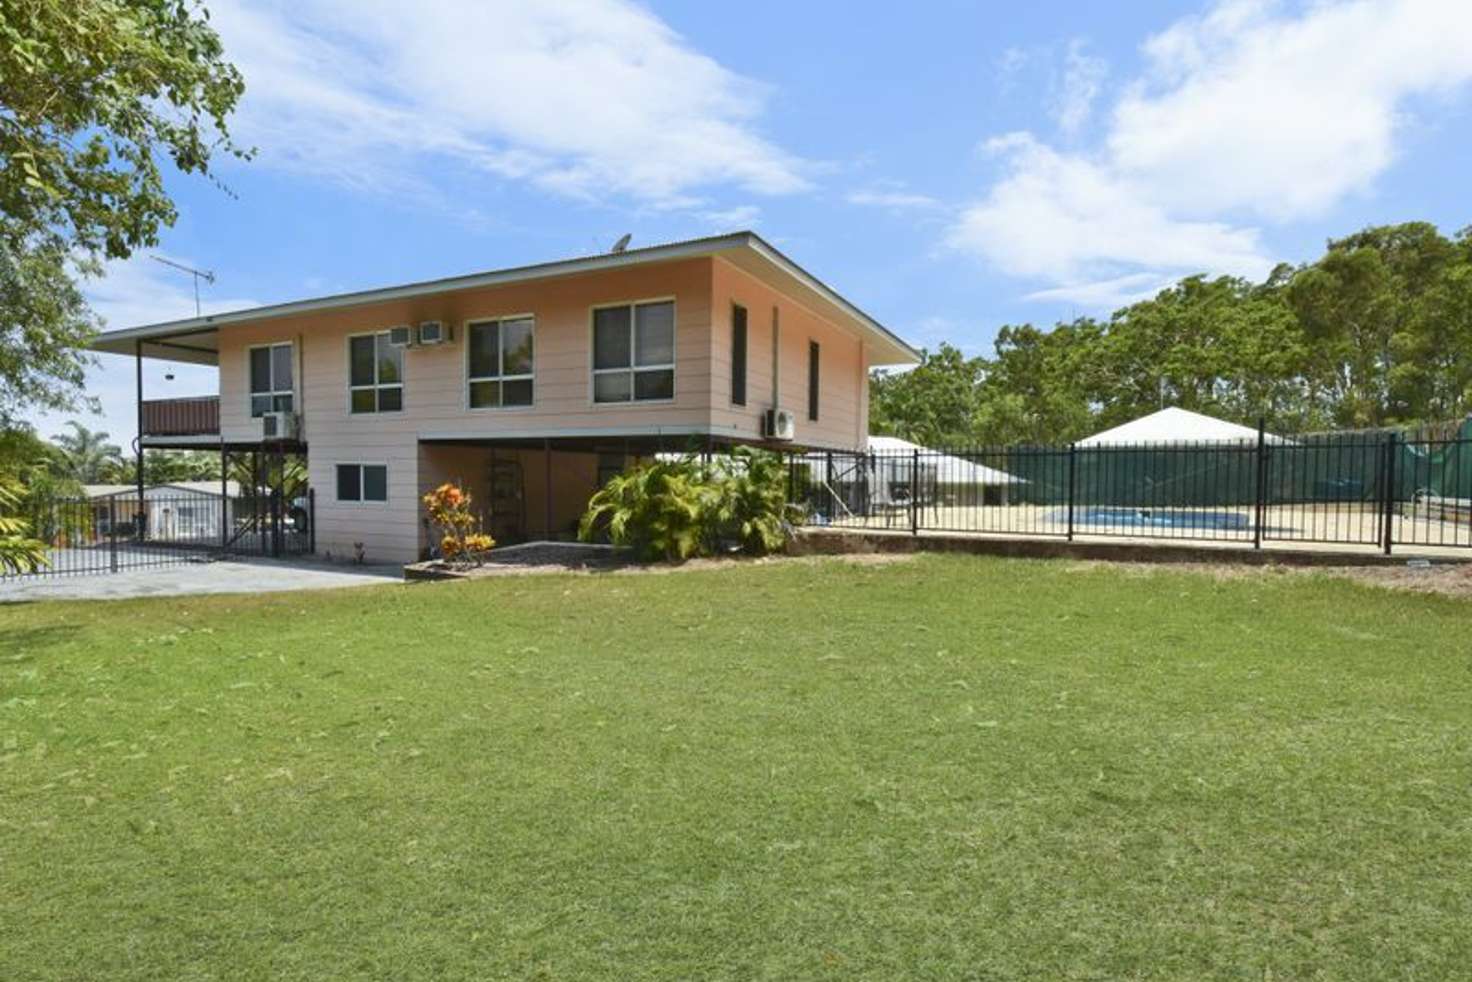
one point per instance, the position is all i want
(461, 537)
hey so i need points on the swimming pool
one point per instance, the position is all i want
(1197, 521)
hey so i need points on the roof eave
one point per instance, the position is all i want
(887, 346)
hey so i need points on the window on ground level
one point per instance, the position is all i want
(362, 482)
(634, 352)
(375, 374)
(501, 363)
(271, 388)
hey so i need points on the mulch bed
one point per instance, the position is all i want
(554, 557)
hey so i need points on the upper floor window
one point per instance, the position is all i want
(738, 355)
(375, 374)
(271, 388)
(634, 352)
(813, 351)
(500, 371)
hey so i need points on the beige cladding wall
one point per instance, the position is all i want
(843, 388)
(435, 389)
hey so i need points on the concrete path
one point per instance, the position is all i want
(230, 576)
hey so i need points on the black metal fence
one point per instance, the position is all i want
(1375, 490)
(110, 533)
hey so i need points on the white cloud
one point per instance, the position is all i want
(1279, 115)
(1064, 218)
(1105, 294)
(895, 200)
(1253, 114)
(580, 97)
(1081, 82)
(732, 219)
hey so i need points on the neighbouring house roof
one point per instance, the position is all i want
(179, 487)
(195, 339)
(948, 469)
(1174, 425)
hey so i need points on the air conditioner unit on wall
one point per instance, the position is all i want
(435, 332)
(779, 424)
(401, 337)
(281, 426)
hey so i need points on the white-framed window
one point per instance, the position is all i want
(634, 352)
(271, 374)
(362, 482)
(501, 362)
(375, 374)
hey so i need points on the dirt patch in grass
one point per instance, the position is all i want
(1447, 579)
(542, 558)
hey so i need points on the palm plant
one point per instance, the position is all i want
(746, 502)
(655, 510)
(675, 509)
(86, 455)
(19, 552)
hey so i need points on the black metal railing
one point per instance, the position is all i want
(110, 533)
(1373, 490)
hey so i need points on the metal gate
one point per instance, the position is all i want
(116, 531)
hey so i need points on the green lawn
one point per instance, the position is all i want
(947, 768)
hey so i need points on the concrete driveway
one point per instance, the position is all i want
(179, 579)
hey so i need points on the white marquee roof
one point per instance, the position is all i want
(1175, 425)
(949, 469)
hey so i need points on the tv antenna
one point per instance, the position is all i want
(622, 243)
(198, 274)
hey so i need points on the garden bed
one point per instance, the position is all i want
(533, 558)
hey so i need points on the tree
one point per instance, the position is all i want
(86, 456)
(1375, 310)
(1042, 386)
(19, 552)
(168, 467)
(95, 94)
(935, 403)
(1377, 331)
(1224, 347)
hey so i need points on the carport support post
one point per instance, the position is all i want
(1261, 485)
(547, 480)
(140, 520)
(224, 498)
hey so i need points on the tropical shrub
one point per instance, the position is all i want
(676, 509)
(746, 503)
(19, 552)
(459, 528)
(654, 509)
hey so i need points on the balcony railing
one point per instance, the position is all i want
(190, 416)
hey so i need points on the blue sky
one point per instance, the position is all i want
(950, 167)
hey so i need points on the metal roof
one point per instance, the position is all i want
(192, 339)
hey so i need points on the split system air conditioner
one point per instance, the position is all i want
(426, 335)
(779, 424)
(281, 426)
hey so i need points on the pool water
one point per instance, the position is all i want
(1212, 521)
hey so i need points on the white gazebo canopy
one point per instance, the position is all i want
(948, 469)
(1175, 425)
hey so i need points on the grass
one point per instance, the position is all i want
(949, 768)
